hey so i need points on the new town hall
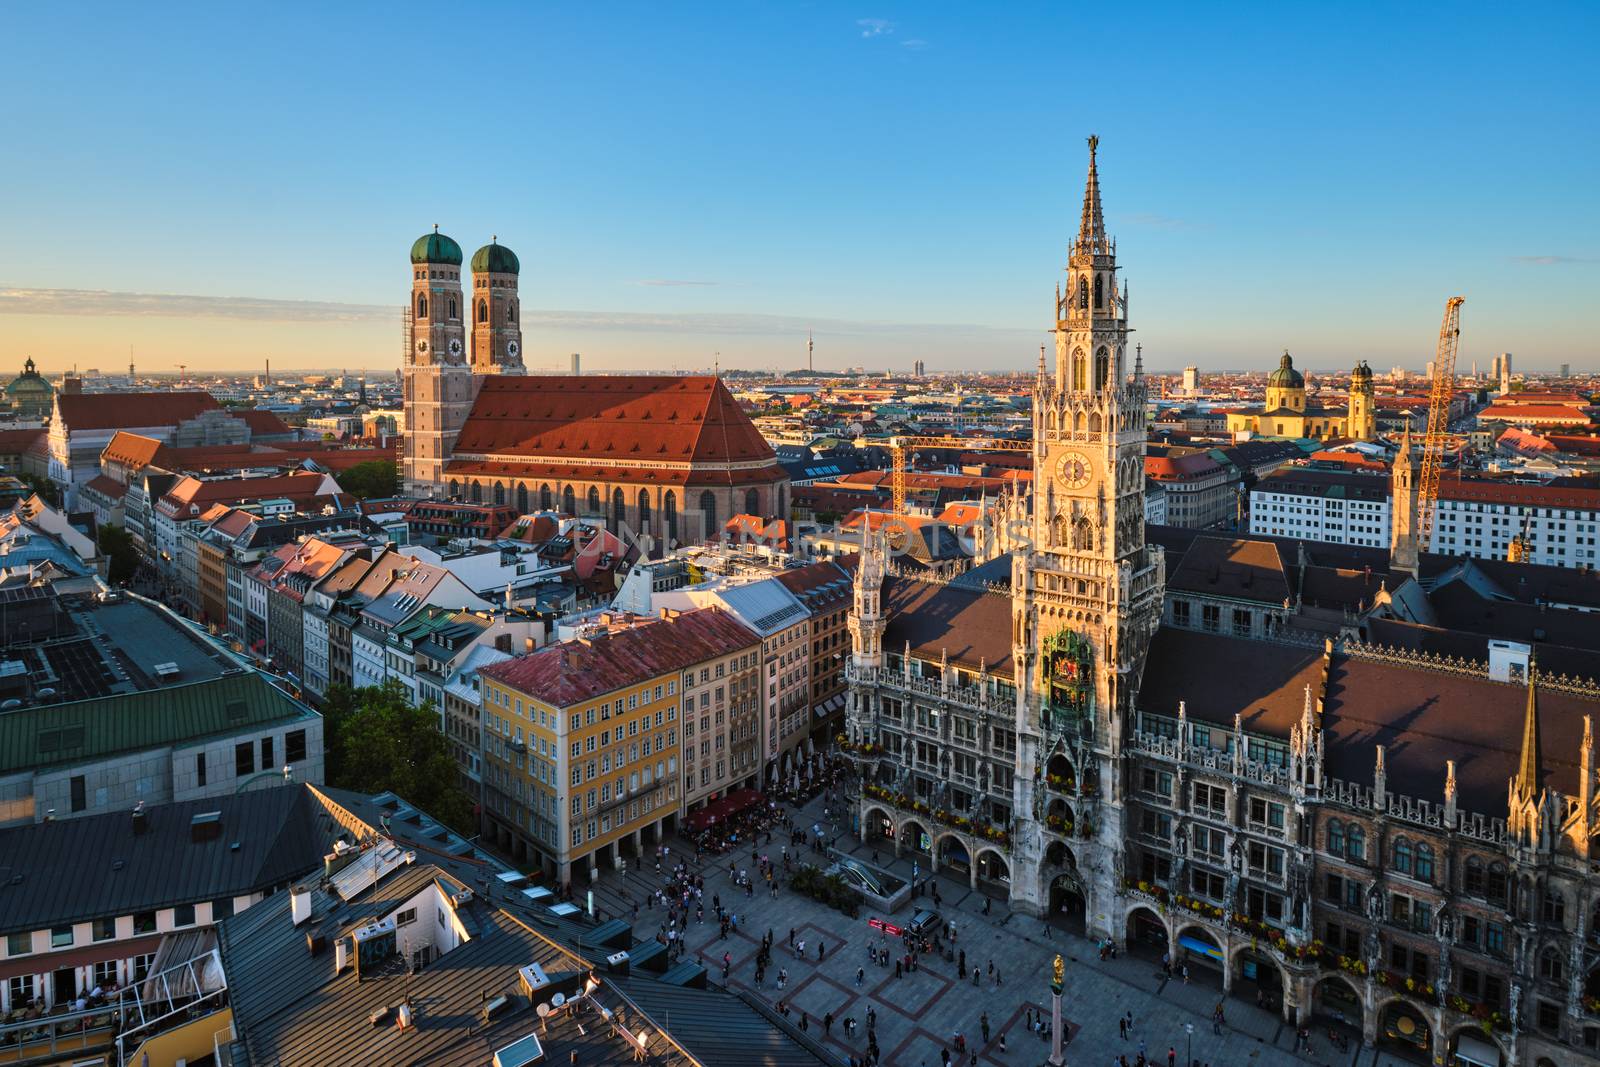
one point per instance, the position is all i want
(1288, 769)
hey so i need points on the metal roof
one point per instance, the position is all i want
(96, 866)
(42, 736)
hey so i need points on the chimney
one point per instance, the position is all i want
(299, 904)
(205, 826)
(141, 821)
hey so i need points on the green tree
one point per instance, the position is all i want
(375, 740)
(375, 478)
(48, 491)
(116, 544)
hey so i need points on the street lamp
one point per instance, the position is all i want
(1188, 1029)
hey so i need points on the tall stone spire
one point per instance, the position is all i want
(1092, 227)
(1530, 768)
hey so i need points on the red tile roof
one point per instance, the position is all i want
(572, 672)
(16, 442)
(109, 411)
(630, 419)
(1535, 413)
(191, 496)
(262, 422)
(1177, 468)
(132, 450)
(1551, 495)
(107, 487)
(643, 474)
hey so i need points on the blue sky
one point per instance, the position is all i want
(684, 180)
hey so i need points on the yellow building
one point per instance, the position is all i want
(1286, 413)
(581, 740)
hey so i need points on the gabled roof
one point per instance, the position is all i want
(571, 672)
(191, 495)
(262, 422)
(820, 586)
(132, 450)
(1237, 568)
(971, 626)
(53, 734)
(17, 442)
(96, 866)
(625, 418)
(109, 411)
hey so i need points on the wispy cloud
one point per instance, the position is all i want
(16, 300)
(1549, 261)
(672, 283)
(754, 324)
(20, 300)
(914, 44)
(875, 27)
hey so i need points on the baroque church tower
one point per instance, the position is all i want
(438, 381)
(1087, 593)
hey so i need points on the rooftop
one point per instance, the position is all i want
(571, 672)
(96, 866)
(48, 735)
(114, 411)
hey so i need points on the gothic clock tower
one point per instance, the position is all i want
(1086, 594)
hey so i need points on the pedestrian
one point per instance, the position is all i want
(822, 950)
(805, 1020)
(997, 982)
(861, 974)
(1185, 974)
(1046, 924)
(1002, 1042)
(791, 937)
(827, 1027)
(897, 971)
(1166, 964)
(1129, 1018)
(983, 1022)
(1172, 1056)
(1122, 1028)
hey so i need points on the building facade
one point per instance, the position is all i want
(1312, 821)
(581, 744)
(1286, 412)
(1559, 526)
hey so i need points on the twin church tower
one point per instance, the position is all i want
(441, 377)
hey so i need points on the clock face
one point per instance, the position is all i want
(422, 346)
(1074, 470)
(511, 348)
(455, 347)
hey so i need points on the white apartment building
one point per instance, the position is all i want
(1313, 505)
(783, 623)
(1560, 526)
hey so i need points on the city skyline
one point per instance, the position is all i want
(902, 184)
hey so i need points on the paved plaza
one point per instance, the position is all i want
(919, 1015)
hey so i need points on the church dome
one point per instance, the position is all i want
(494, 258)
(1361, 373)
(1286, 377)
(435, 247)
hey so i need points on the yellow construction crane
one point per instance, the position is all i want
(1442, 389)
(899, 445)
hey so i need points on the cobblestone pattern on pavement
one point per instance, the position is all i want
(919, 1015)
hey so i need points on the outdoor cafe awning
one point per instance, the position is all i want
(722, 808)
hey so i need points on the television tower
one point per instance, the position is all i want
(811, 366)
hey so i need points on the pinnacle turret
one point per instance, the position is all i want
(1092, 227)
(1530, 767)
